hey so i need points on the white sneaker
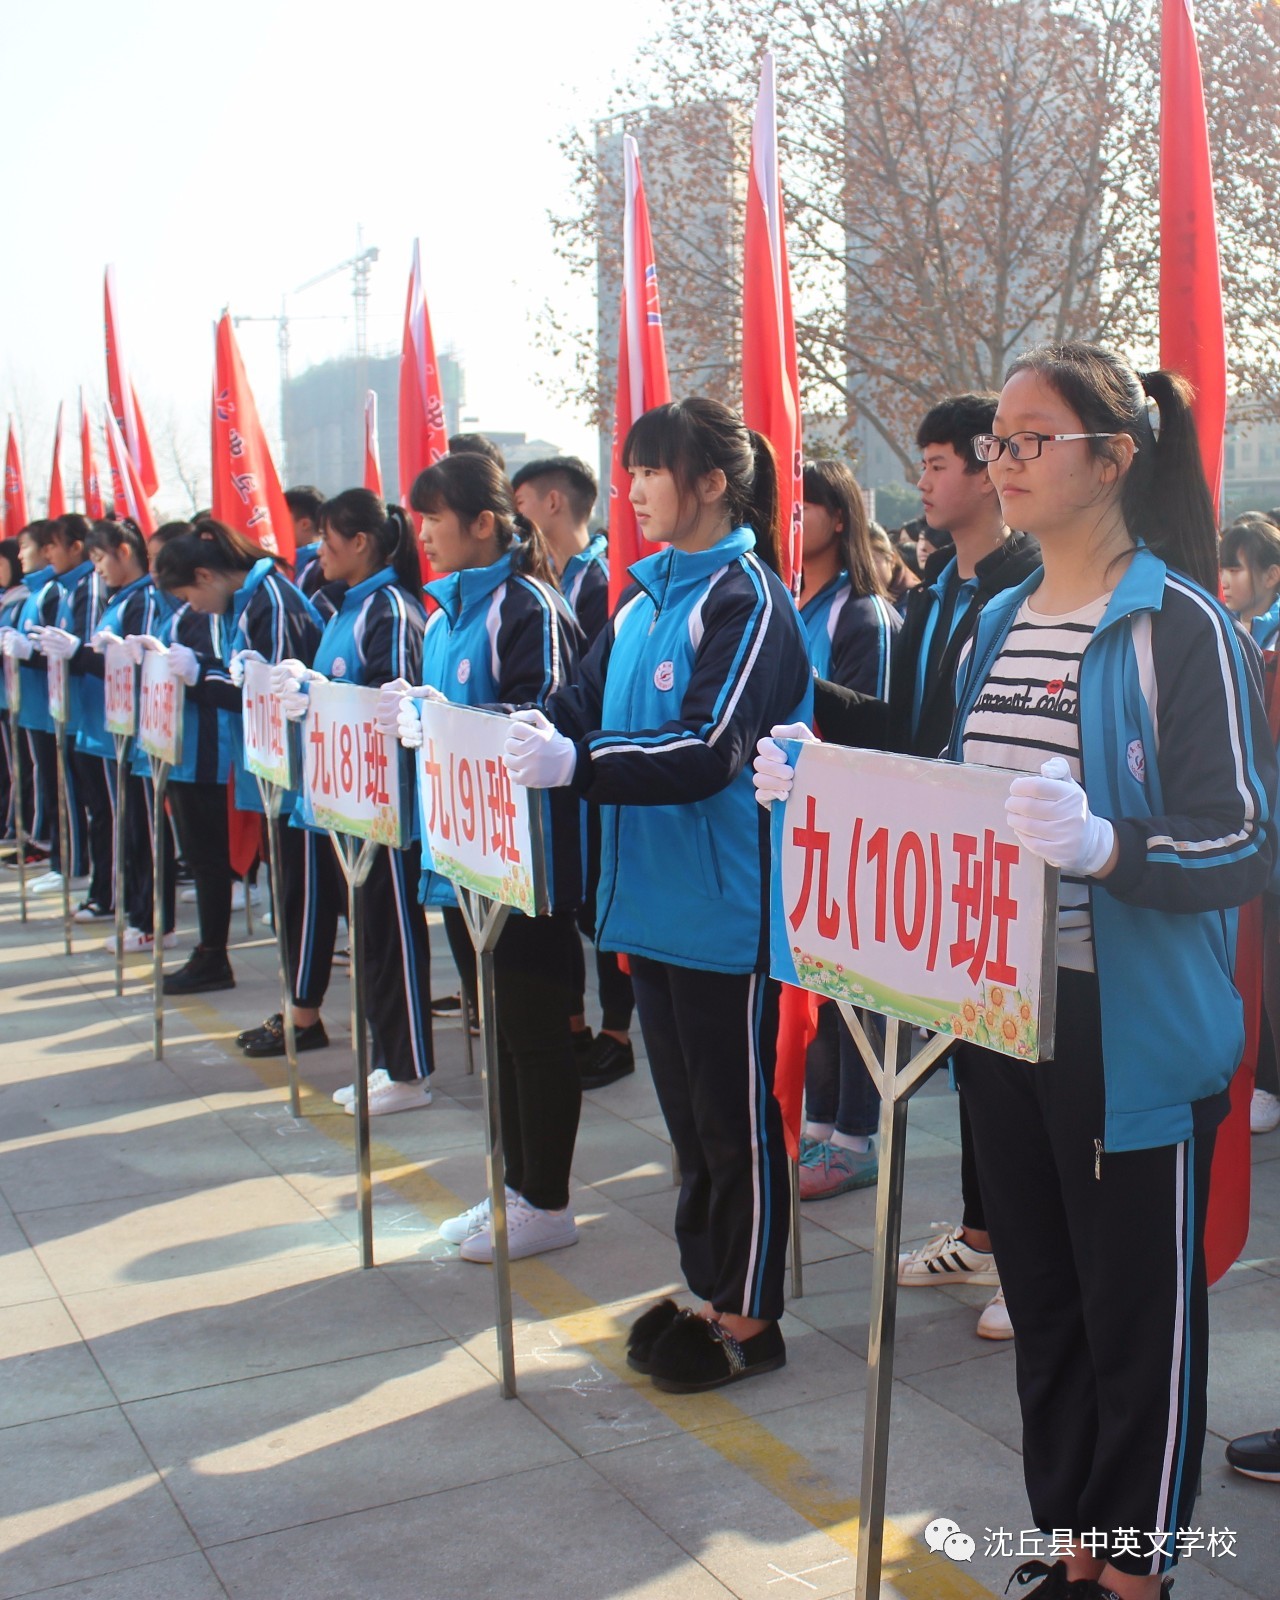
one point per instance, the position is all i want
(395, 1096)
(994, 1322)
(346, 1096)
(946, 1258)
(237, 896)
(530, 1232)
(188, 896)
(134, 941)
(1264, 1112)
(457, 1230)
(46, 883)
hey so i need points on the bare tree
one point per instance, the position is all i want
(962, 178)
(188, 467)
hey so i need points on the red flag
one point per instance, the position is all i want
(642, 365)
(424, 438)
(1192, 337)
(89, 467)
(57, 490)
(123, 395)
(15, 493)
(797, 1029)
(127, 492)
(372, 466)
(246, 487)
(770, 375)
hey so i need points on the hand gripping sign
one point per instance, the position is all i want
(59, 691)
(267, 750)
(478, 826)
(160, 706)
(899, 887)
(350, 773)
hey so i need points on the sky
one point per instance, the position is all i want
(221, 154)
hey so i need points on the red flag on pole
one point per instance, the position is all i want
(372, 465)
(93, 506)
(770, 374)
(246, 487)
(15, 492)
(57, 489)
(127, 493)
(642, 365)
(1192, 336)
(424, 438)
(123, 395)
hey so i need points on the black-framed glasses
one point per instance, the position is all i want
(1024, 446)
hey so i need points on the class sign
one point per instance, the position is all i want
(160, 706)
(267, 752)
(899, 887)
(350, 771)
(120, 692)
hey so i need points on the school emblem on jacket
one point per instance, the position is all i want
(464, 670)
(1137, 759)
(664, 676)
(339, 667)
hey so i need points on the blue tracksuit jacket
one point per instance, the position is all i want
(850, 637)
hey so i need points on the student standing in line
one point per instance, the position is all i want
(558, 495)
(12, 593)
(658, 733)
(263, 616)
(38, 609)
(503, 633)
(367, 549)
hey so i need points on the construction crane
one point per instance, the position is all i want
(359, 265)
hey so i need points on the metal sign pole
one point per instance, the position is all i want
(272, 796)
(117, 865)
(159, 781)
(64, 835)
(485, 921)
(248, 909)
(20, 832)
(896, 1088)
(356, 857)
(797, 1261)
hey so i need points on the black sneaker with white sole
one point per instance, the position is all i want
(609, 1060)
(92, 911)
(1257, 1455)
(205, 971)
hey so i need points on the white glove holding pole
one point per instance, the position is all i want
(99, 641)
(287, 675)
(1051, 817)
(185, 663)
(141, 644)
(235, 667)
(294, 702)
(772, 773)
(536, 755)
(56, 644)
(18, 645)
(387, 717)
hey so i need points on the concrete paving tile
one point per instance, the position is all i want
(80, 1499)
(983, 1393)
(135, 1150)
(22, 1278)
(181, 1578)
(269, 1453)
(115, 1242)
(185, 1333)
(577, 1537)
(621, 1160)
(1244, 1346)
(1248, 1508)
(45, 1370)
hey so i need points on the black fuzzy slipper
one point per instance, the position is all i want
(646, 1330)
(694, 1355)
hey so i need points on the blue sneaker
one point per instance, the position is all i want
(830, 1169)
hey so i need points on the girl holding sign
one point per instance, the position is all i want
(705, 653)
(504, 633)
(376, 636)
(262, 616)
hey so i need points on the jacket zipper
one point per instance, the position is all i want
(1098, 1154)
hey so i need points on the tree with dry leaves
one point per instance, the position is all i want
(962, 178)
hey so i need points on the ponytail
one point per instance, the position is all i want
(357, 511)
(1164, 498)
(533, 556)
(760, 508)
(186, 547)
(110, 535)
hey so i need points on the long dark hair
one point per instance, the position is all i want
(356, 511)
(1252, 541)
(9, 553)
(107, 535)
(185, 547)
(469, 484)
(1164, 498)
(690, 438)
(832, 486)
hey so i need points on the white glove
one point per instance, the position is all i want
(1050, 815)
(387, 717)
(286, 675)
(185, 663)
(141, 644)
(294, 702)
(536, 755)
(100, 640)
(56, 643)
(235, 667)
(18, 645)
(772, 773)
(408, 725)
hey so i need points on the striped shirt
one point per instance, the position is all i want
(1028, 711)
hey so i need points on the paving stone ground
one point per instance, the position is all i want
(203, 1395)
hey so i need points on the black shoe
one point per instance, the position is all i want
(582, 1041)
(205, 971)
(446, 1005)
(694, 1355)
(1056, 1585)
(182, 873)
(269, 1041)
(273, 1024)
(1257, 1455)
(610, 1059)
(92, 911)
(34, 857)
(646, 1330)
